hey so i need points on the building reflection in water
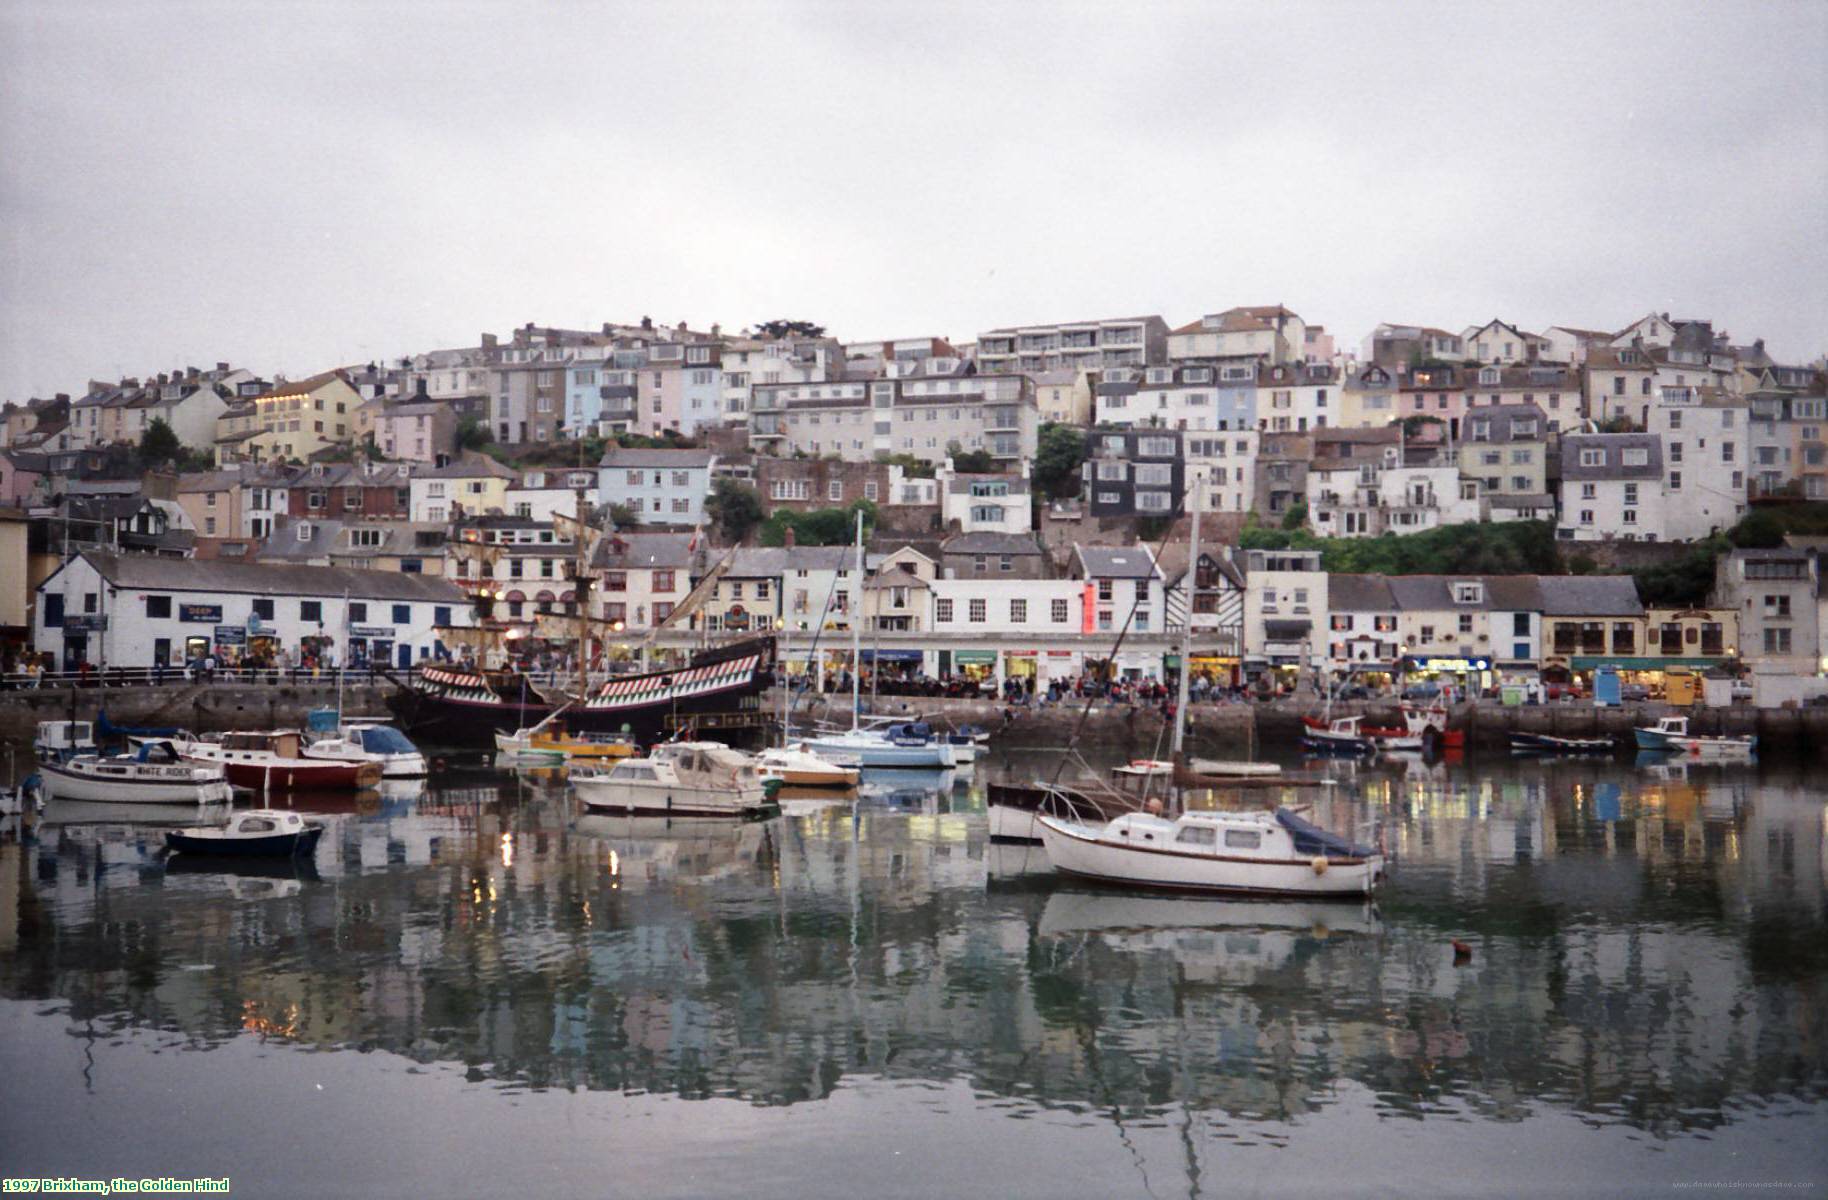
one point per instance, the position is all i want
(1648, 950)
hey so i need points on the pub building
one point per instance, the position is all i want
(113, 610)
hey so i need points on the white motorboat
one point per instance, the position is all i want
(1670, 735)
(796, 766)
(679, 779)
(371, 741)
(1245, 852)
(1341, 735)
(153, 774)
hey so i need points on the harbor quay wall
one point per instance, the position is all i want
(1258, 728)
(204, 708)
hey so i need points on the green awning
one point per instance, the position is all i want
(974, 656)
(1583, 662)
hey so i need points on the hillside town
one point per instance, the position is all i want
(1028, 496)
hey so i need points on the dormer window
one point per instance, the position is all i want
(1636, 456)
(304, 531)
(1592, 458)
(1469, 593)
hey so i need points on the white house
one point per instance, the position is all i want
(985, 503)
(137, 610)
(1285, 611)
(1704, 455)
(1611, 487)
(541, 494)
(663, 487)
(1221, 473)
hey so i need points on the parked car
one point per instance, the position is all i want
(1422, 691)
(1563, 691)
(1634, 691)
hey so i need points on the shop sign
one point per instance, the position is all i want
(85, 623)
(974, 656)
(1451, 666)
(200, 614)
(231, 635)
(371, 631)
(1059, 654)
(1019, 654)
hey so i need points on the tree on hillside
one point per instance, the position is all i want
(913, 468)
(780, 328)
(971, 462)
(820, 527)
(1760, 529)
(1059, 453)
(473, 434)
(735, 508)
(160, 445)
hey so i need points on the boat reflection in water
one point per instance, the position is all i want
(1644, 992)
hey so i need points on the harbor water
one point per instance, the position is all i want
(475, 989)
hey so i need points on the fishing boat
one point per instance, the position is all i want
(1670, 735)
(274, 761)
(153, 773)
(1420, 720)
(1341, 735)
(1261, 853)
(796, 766)
(254, 833)
(1544, 744)
(679, 779)
(371, 742)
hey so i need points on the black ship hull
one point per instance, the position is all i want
(719, 690)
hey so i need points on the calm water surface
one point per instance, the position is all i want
(477, 991)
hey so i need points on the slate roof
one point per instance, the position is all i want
(470, 466)
(265, 579)
(678, 460)
(985, 542)
(1360, 593)
(1589, 595)
(1115, 562)
(640, 551)
(1614, 444)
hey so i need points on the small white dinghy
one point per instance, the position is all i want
(1260, 853)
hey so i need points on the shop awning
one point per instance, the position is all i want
(517, 596)
(1451, 664)
(545, 597)
(1286, 631)
(1582, 662)
(568, 597)
(974, 656)
(899, 656)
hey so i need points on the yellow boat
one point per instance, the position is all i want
(595, 746)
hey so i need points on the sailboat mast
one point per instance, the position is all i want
(583, 597)
(1193, 591)
(856, 608)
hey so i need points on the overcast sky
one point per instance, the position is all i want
(298, 186)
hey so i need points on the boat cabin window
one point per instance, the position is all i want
(1243, 839)
(1195, 836)
(257, 825)
(630, 771)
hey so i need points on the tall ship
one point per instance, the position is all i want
(720, 688)
(466, 705)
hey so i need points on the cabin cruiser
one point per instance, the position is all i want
(257, 832)
(1341, 735)
(679, 779)
(1266, 853)
(275, 762)
(369, 741)
(58, 740)
(904, 744)
(1670, 735)
(154, 773)
(796, 766)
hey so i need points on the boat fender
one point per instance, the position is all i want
(1319, 864)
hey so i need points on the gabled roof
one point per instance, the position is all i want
(984, 542)
(304, 387)
(470, 466)
(640, 550)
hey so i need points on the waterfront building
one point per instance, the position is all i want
(1285, 612)
(1590, 621)
(986, 555)
(642, 576)
(1775, 594)
(138, 610)
(370, 544)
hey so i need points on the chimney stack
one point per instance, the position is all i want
(789, 541)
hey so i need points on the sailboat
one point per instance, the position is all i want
(1262, 853)
(894, 744)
